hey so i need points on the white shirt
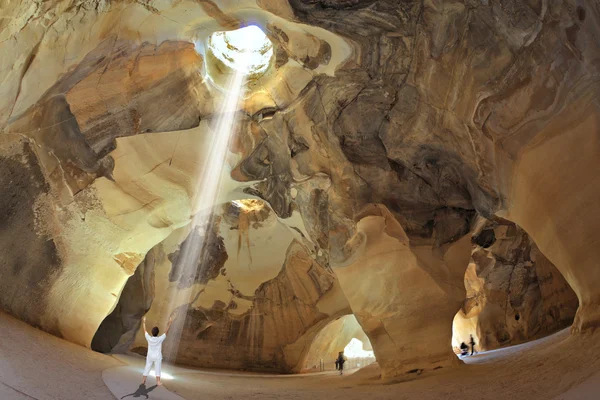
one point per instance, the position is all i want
(155, 346)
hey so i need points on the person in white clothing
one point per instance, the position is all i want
(154, 350)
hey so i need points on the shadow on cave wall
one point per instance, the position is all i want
(117, 332)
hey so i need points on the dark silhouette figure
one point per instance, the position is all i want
(340, 361)
(464, 349)
(337, 364)
(472, 345)
(141, 391)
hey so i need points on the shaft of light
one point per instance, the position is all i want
(207, 189)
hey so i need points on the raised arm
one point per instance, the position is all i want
(144, 324)
(169, 325)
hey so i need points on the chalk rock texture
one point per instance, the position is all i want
(29, 259)
(514, 293)
(380, 136)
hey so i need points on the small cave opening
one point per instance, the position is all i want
(247, 50)
(343, 335)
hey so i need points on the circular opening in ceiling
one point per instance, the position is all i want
(246, 50)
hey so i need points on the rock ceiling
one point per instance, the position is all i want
(382, 140)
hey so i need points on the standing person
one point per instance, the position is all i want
(464, 349)
(154, 350)
(472, 345)
(340, 361)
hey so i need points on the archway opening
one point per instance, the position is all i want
(514, 294)
(356, 354)
(341, 335)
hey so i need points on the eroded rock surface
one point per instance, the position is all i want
(30, 260)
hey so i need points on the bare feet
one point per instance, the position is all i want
(158, 382)
(143, 380)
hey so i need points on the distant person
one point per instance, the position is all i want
(154, 350)
(340, 361)
(337, 364)
(472, 345)
(464, 349)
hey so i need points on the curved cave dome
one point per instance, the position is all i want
(247, 50)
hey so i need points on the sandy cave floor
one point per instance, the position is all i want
(35, 365)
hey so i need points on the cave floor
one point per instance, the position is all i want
(35, 365)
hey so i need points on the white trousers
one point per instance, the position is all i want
(149, 363)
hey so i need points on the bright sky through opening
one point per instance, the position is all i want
(354, 349)
(247, 50)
